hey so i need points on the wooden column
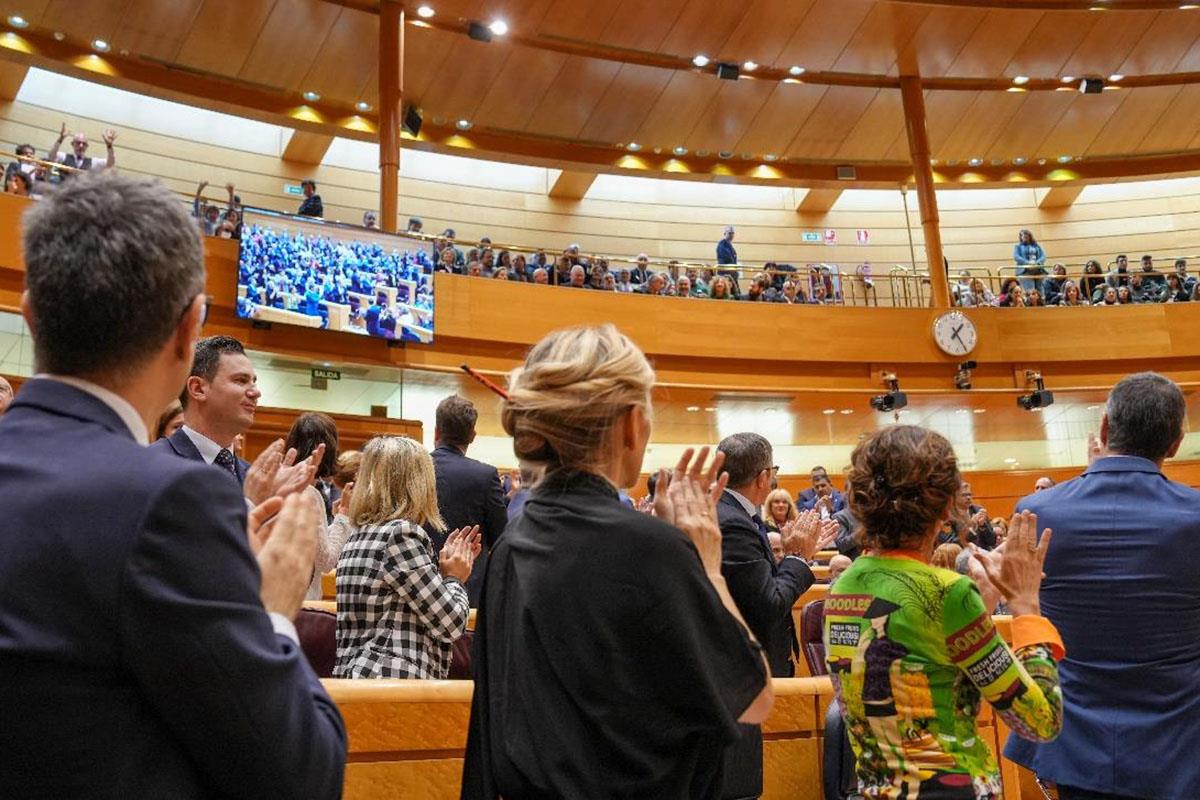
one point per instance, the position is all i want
(918, 147)
(391, 95)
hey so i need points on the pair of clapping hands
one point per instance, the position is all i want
(1013, 571)
(687, 496)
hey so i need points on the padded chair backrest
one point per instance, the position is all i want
(460, 659)
(318, 639)
(812, 645)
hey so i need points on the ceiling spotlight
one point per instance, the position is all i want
(1188, 7)
(311, 96)
(847, 411)
(725, 154)
(463, 124)
(425, 12)
(680, 151)
(1064, 159)
(633, 147)
(363, 105)
(1021, 80)
(770, 157)
(829, 412)
(1116, 77)
(1041, 162)
(693, 408)
(100, 44)
(710, 408)
(1010, 461)
(700, 60)
(18, 21)
(749, 66)
(979, 410)
(795, 71)
(1019, 161)
(1067, 79)
(498, 27)
(975, 162)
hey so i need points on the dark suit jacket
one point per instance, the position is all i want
(765, 594)
(134, 649)
(1123, 588)
(181, 445)
(469, 493)
(807, 500)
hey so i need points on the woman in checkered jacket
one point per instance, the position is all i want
(400, 605)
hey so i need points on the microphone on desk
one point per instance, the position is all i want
(484, 380)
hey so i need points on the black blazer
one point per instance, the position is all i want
(765, 594)
(469, 493)
(181, 445)
(136, 650)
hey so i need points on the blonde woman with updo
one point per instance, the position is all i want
(911, 647)
(778, 509)
(400, 605)
(610, 660)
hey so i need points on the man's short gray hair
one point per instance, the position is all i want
(746, 455)
(112, 263)
(1145, 416)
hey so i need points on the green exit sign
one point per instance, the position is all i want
(292, 188)
(327, 374)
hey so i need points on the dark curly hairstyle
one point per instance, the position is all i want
(901, 481)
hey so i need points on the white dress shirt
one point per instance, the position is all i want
(209, 450)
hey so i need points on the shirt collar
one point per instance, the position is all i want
(119, 405)
(1120, 463)
(743, 502)
(207, 447)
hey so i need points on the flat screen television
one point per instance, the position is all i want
(315, 274)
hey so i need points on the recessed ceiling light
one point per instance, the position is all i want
(1116, 77)
(311, 96)
(979, 410)
(425, 12)
(363, 105)
(769, 410)
(17, 21)
(100, 44)
(1010, 461)
(1017, 89)
(1021, 80)
(693, 408)
(725, 154)
(975, 162)
(498, 27)
(1188, 7)
(633, 147)
(680, 151)
(769, 157)
(795, 70)
(463, 124)
(1064, 159)
(710, 408)
(847, 411)
(829, 411)
(1067, 79)
(749, 66)
(700, 60)
(59, 36)
(1019, 161)
(1041, 162)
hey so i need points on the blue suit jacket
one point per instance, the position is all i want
(136, 659)
(807, 500)
(1123, 587)
(181, 444)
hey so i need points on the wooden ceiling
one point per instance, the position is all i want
(528, 90)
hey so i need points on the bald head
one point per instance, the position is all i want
(837, 565)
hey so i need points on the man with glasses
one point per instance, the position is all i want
(78, 158)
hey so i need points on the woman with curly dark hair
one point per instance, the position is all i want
(911, 647)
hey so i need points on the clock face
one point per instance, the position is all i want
(955, 333)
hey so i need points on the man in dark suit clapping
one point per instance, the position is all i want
(763, 590)
(469, 491)
(147, 646)
(219, 401)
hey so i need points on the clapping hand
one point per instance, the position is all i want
(277, 474)
(1016, 569)
(342, 504)
(459, 553)
(806, 534)
(692, 495)
(663, 506)
(286, 549)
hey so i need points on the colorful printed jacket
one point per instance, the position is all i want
(911, 649)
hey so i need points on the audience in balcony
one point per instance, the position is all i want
(312, 205)
(978, 295)
(1109, 298)
(1030, 258)
(18, 183)
(1124, 295)
(209, 215)
(1118, 276)
(1071, 295)
(1052, 287)
(78, 158)
(719, 289)
(1014, 296)
(1092, 284)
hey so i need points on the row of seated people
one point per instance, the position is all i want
(1093, 287)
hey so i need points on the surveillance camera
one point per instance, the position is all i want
(1039, 399)
(968, 365)
(889, 402)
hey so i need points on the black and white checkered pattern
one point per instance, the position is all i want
(397, 617)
